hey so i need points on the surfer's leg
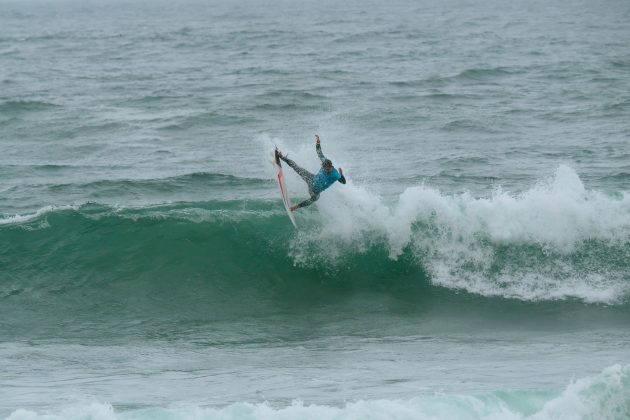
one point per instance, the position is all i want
(303, 173)
(314, 198)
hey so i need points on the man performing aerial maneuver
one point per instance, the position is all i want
(316, 183)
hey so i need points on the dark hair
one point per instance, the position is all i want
(327, 163)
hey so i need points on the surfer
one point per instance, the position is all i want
(318, 182)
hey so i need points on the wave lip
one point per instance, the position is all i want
(605, 396)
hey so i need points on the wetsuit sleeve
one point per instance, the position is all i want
(318, 148)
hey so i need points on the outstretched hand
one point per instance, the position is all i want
(340, 171)
(316, 138)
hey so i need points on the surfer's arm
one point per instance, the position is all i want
(318, 149)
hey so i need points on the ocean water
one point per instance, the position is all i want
(475, 266)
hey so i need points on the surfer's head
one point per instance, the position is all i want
(327, 165)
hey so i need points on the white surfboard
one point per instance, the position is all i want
(283, 188)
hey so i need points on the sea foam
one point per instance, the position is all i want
(555, 240)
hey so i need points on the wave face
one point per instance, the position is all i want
(605, 396)
(556, 241)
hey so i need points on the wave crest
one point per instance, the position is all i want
(556, 240)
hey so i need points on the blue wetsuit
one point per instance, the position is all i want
(316, 182)
(324, 180)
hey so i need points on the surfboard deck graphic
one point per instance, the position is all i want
(283, 188)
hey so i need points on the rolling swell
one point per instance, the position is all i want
(186, 261)
(234, 243)
(195, 180)
(56, 185)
